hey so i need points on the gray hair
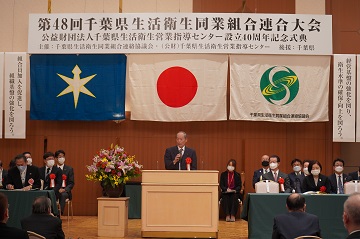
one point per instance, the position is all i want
(41, 205)
(352, 208)
(183, 132)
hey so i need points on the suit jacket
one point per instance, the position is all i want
(309, 183)
(170, 154)
(355, 235)
(333, 181)
(14, 178)
(45, 225)
(256, 177)
(3, 177)
(270, 176)
(294, 179)
(295, 224)
(12, 232)
(58, 178)
(69, 172)
(354, 175)
(224, 181)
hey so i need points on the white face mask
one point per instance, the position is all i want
(61, 161)
(230, 168)
(21, 168)
(339, 169)
(50, 163)
(297, 168)
(273, 165)
(29, 161)
(306, 171)
(315, 172)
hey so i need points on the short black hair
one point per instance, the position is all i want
(275, 156)
(295, 202)
(60, 151)
(312, 163)
(296, 160)
(339, 160)
(26, 152)
(41, 205)
(306, 161)
(48, 154)
(3, 206)
(20, 156)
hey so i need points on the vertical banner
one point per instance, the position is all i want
(1, 91)
(15, 95)
(358, 99)
(344, 98)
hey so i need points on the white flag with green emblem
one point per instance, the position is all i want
(279, 88)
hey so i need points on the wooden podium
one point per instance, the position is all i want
(179, 204)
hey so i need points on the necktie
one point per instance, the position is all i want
(47, 173)
(340, 185)
(275, 177)
(297, 185)
(180, 152)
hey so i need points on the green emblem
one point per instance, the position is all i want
(279, 85)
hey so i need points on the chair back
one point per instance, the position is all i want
(267, 186)
(33, 235)
(352, 187)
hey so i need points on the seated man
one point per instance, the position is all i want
(49, 171)
(42, 221)
(3, 175)
(351, 216)
(296, 222)
(258, 174)
(296, 178)
(338, 178)
(275, 173)
(5, 231)
(355, 175)
(67, 178)
(22, 176)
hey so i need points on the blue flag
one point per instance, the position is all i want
(77, 87)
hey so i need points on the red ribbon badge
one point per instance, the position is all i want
(63, 185)
(31, 181)
(52, 180)
(188, 162)
(323, 189)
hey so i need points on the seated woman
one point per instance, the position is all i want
(230, 185)
(315, 180)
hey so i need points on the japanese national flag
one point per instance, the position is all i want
(178, 87)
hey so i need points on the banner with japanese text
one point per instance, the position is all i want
(2, 59)
(181, 87)
(15, 95)
(279, 88)
(358, 99)
(227, 33)
(344, 96)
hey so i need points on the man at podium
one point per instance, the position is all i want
(177, 157)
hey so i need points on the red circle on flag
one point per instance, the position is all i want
(176, 86)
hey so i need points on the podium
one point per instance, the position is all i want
(179, 204)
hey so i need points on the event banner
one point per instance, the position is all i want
(344, 93)
(64, 33)
(15, 95)
(78, 87)
(2, 58)
(181, 87)
(358, 99)
(279, 88)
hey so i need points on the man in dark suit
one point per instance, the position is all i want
(5, 231)
(22, 176)
(260, 172)
(338, 178)
(175, 157)
(355, 175)
(351, 216)
(67, 182)
(42, 221)
(296, 178)
(49, 171)
(3, 176)
(296, 222)
(275, 173)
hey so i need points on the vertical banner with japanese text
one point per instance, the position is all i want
(344, 98)
(358, 100)
(15, 95)
(1, 91)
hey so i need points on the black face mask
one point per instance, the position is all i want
(265, 163)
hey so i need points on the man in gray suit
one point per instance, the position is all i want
(351, 216)
(296, 222)
(275, 174)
